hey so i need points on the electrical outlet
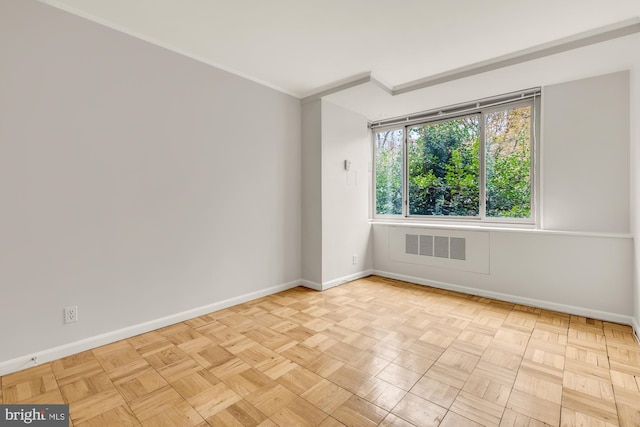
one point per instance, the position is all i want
(71, 314)
(355, 259)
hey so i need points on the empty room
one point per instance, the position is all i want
(319, 213)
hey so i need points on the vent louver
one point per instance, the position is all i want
(438, 246)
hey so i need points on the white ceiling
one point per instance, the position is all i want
(303, 46)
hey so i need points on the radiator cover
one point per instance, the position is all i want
(445, 248)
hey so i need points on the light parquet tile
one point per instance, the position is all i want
(520, 320)
(601, 409)
(423, 349)
(95, 405)
(331, 422)
(588, 337)
(491, 386)
(418, 411)
(477, 409)
(369, 364)
(541, 355)
(157, 401)
(88, 385)
(472, 342)
(453, 368)
(215, 355)
(505, 359)
(30, 385)
(435, 391)
(327, 396)
(139, 384)
(375, 351)
(119, 359)
(356, 411)
(624, 358)
(324, 365)
(414, 362)
(541, 383)
(299, 412)
(454, 420)
(392, 420)
(178, 369)
(299, 380)
(381, 393)
(195, 383)
(247, 381)
(269, 398)
(534, 407)
(401, 377)
(70, 369)
(301, 354)
(511, 340)
(513, 419)
(570, 417)
(210, 402)
(181, 414)
(320, 342)
(590, 385)
(118, 416)
(553, 319)
(342, 334)
(624, 380)
(240, 413)
(350, 378)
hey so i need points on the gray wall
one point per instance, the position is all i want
(345, 195)
(134, 182)
(635, 189)
(335, 202)
(586, 155)
(312, 194)
(586, 275)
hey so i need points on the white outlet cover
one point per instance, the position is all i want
(71, 314)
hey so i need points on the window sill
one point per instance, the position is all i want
(497, 227)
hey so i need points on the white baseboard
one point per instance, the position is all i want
(47, 355)
(342, 280)
(335, 282)
(549, 305)
(311, 285)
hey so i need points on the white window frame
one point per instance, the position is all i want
(437, 116)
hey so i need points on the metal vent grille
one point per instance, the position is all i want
(436, 246)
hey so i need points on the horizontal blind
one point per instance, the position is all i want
(456, 110)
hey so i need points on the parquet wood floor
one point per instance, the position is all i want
(371, 352)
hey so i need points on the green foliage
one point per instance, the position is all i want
(508, 163)
(443, 168)
(389, 173)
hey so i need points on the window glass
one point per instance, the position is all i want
(444, 168)
(508, 162)
(389, 159)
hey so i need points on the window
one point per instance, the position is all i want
(474, 162)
